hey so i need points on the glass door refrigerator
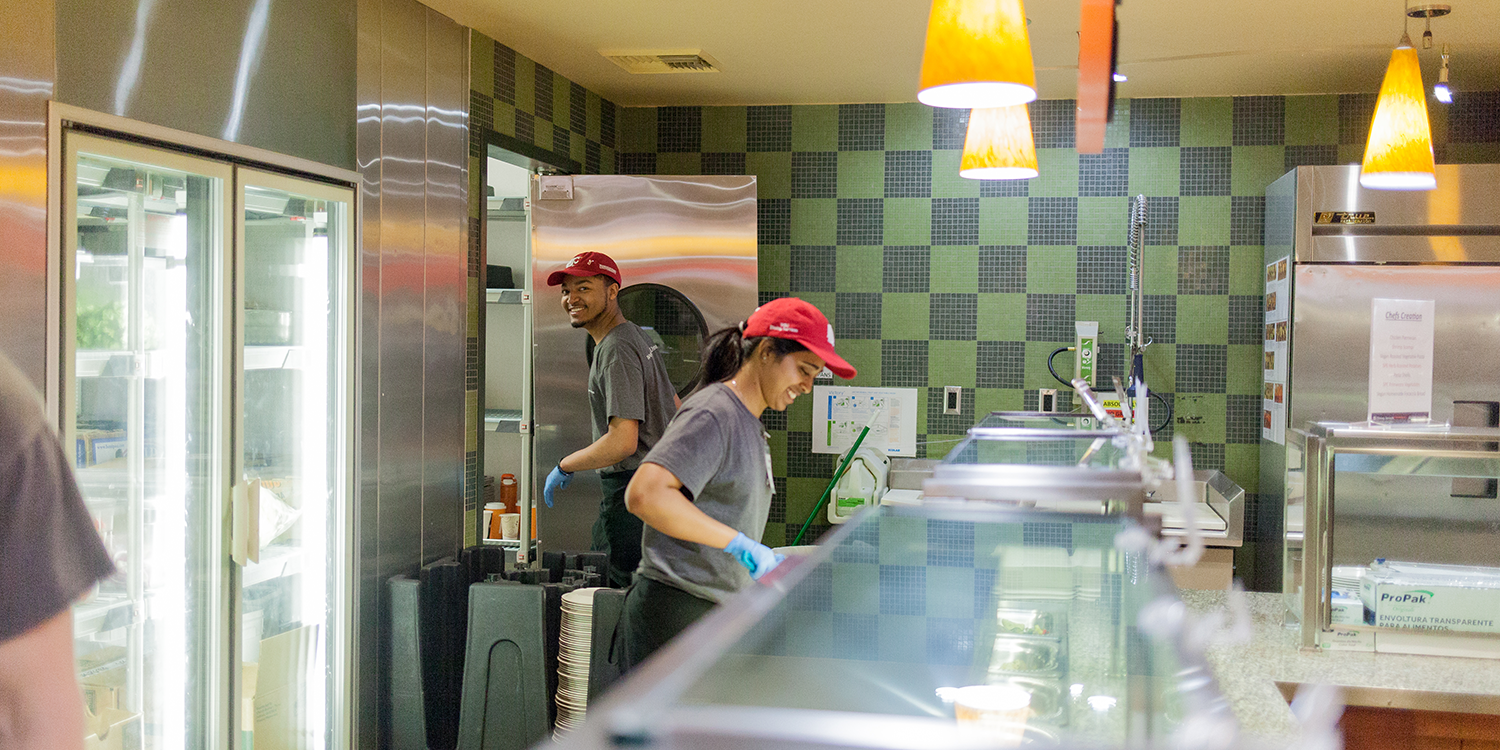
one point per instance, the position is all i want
(206, 388)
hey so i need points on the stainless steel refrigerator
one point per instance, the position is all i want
(687, 251)
(1330, 248)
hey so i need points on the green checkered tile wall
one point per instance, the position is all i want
(934, 280)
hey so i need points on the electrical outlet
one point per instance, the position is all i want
(1046, 399)
(953, 399)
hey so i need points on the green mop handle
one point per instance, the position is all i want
(836, 476)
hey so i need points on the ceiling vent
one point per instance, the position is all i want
(662, 60)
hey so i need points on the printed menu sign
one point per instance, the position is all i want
(1401, 332)
(1274, 355)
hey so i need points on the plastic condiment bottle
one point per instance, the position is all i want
(508, 493)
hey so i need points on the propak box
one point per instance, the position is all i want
(1425, 605)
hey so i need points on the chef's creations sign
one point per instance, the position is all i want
(1401, 336)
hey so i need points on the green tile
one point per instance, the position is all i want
(606, 160)
(1159, 269)
(1051, 269)
(1244, 369)
(987, 400)
(1155, 171)
(1203, 220)
(903, 315)
(635, 129)
(505, 119)
(988, 537)
(908, 127)
(1002, 221)
(1117, 132)
(724, 129)
(1247, 269)
(859, 269)
(951, 363)
(1352, 153)
(1202, 319)
(1207, 121)
(542, 139)
(775, 266)
(1312, 120)
(1242, 465)
(801, 494)
(950, 591)
(908, 221)
(1002, 317)
(945, 180)
(774, 535)
(1057, 173)
(1106, 309)
(814, 634)
(1472, 153)
(902, 540)
(814, 221)
(525, 84)
(1036, 365)
(668, 162)
(861, 174)
(481, 64)
(578, 148)
(864, 354)
(799, 417)
(954, 269)
(1161, 367)
(902, 638)
(1199, 417)
(1103, 221)
(1252, 168)
(773, 173)
(856, 588)
(815, 127)
(593, 117)
(824, 301)
(777, 441)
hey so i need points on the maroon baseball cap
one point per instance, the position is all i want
(791, 318)
(587, 264)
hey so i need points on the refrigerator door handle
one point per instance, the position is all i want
(245, 505)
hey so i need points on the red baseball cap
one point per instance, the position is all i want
(792, 318)
(587, 264)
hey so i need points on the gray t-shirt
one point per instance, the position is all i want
(719, 451)
(628, 379)
(49, 551)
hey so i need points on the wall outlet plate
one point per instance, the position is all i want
(1046, 399)
(953, 399)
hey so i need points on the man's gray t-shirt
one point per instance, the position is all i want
(628, 379)
(49, 551)
(719, 451)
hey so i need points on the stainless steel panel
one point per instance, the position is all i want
(26, 82)
(371, 618)
(1437, 248)
(1465, 195)
(445, 266)
(279, 76)
(694, 234)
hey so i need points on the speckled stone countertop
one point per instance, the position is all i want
(1248, 672)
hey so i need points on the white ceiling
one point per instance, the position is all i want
(838, 51)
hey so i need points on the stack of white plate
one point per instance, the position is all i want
(574, 646)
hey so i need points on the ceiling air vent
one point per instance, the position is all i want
(662, 60)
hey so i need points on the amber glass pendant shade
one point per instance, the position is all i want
(978, 55)
(1398, 155)
(998, 145)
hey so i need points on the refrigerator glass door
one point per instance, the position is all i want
(144, 411)
(296, 240)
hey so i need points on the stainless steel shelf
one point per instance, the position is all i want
(506, 297)
(101, 615)
(502, 420)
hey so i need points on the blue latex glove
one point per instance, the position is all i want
(557, 480)
(756, 557)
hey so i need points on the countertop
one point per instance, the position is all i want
(1248, 673)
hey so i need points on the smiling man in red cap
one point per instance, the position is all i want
(631, 399)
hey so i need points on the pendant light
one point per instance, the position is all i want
(1398, 154)
(998, 145)
(978, 55)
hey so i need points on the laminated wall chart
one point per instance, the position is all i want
(840, 412)
(1273, 399)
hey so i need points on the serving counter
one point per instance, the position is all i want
(859, 644)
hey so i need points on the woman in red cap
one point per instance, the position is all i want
(704, 490)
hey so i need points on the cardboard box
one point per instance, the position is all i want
(1417, 605)
(281, 695)
(101, 675)
(86, 446)
(112, 729)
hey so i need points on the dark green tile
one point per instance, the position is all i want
(1002, 317)
(724, 129)
(1199, 417)
(1202, 318)
(1244, 369)
(1051, 269)
(954, 268)
(1108, 310)
(775, 265)
(861, 174)
(1247, 270)
(1242, 464)
(1203, 220)
(815, 221)
(815, 128)
(1255, 167)
(908, 221)
(1155, 170)
(678, 163)
(946, 183)
(1057, 173)
(1207, 121)
(1103, 221)
(773, 173)
(864, 355)
(987, 400)
(636, 129)
(908, 127)
(904, 315)
(1002, 221)
(1159, 272)
(1312, 120)
(1161, 368)
(859, 269)
(951, 363)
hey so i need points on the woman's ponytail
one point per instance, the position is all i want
(727, 350)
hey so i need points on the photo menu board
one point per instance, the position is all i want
(1274, 362)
